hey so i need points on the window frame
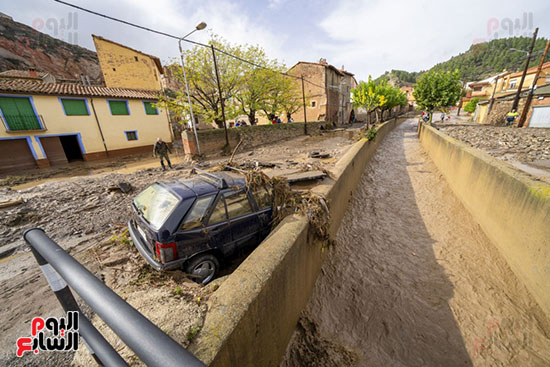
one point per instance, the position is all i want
(77, 99)
(250, 203)
(119, 100)
(206, 214)
(222, 199)
(145, 108)
(131, 131)
(31, 100)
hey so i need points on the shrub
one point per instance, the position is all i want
(471, 106)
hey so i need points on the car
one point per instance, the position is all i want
(196, 224)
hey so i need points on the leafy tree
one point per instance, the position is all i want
(471, 105)
(438, 90)
(378, 97)
(365, 95)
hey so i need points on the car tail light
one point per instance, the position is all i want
(166, 252)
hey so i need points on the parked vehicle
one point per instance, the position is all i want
(196, 224)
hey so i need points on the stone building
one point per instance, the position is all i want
(328, 92)
(124, 67)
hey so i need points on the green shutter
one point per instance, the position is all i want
(119, 108)
(150, 109)
(74, 107)
(19, 114)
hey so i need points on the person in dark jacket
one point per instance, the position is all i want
(161, 149)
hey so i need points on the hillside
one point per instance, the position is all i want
(480, 61)
(22, 47)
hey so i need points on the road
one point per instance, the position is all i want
(414, 281)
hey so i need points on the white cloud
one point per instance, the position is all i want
(374, 36)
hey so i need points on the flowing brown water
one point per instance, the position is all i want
(414, 281)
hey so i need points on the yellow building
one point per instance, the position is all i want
(47, 124)
(124, 67)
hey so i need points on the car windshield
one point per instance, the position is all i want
(156, 203)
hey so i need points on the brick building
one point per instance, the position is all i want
(329, 93)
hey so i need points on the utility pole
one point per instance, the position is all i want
(516, 99)
(221, 97)
(493, 96)
(304, 103)
(532, 90)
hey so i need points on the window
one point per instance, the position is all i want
(513, 83)
(237, 204)
(119, 107)
(74, 107)
(313, 103)
(135, 57)
(548, 79)
(150, 109)
(155, 203)
(18, 113)
(194, 218)
(131, 135)
(114, 69)
(219, 214)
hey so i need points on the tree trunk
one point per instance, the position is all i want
(219, 123)
(252, 117)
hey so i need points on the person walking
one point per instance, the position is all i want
(511, 117)
(161, 149)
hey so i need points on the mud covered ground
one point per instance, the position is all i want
(413, 280)
(88, 220)
(527, 149)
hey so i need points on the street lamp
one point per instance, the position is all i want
(199, 27)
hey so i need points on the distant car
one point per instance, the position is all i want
(195, 224)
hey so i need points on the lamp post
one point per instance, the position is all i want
(199, 27)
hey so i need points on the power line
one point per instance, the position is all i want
(178, 38)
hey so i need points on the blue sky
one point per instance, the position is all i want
(367, 37)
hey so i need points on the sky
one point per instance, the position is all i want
(367, 37)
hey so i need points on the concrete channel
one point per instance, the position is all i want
(413, 280)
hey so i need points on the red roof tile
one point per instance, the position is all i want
(60, 89)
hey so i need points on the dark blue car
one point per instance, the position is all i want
(195, 224)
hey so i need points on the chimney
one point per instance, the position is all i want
(82, 79)
(342, 68)
(33, 73)
(323, 61)
(88, 80)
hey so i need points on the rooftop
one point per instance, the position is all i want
(532, 70)
(27, 86)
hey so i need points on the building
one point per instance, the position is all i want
(124, 67)
(328, 92)
(409, 93)
(46, 124)
(539, 112)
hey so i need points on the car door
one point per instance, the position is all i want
(218, 229)
(243, 219)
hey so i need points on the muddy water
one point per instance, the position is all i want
(413, 280)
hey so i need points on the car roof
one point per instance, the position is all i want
(201, 184)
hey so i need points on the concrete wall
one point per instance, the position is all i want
(254, 312)
(213, 141)
(512, 208)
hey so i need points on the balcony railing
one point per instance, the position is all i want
(13, 123)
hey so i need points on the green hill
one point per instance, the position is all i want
(480, 61)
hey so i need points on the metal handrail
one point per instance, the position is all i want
(148, 342)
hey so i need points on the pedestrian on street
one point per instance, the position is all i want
(161, 149)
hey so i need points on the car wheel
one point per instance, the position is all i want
(203, 268)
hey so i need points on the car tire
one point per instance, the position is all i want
(203, 268)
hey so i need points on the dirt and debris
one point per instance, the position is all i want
(527, 149)
(89, 220)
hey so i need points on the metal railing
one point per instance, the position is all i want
(14, 123)
(148, 342)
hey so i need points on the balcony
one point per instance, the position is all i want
(16, 123)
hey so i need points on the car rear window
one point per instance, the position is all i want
(156, 203)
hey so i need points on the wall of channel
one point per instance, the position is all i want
(512, 208)
(255, 310)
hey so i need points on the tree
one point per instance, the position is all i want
(365, 95)
(437, 90)
(378, 97)
(203, 85)
(471, 105)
